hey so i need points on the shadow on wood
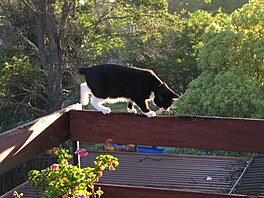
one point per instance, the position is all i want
(24, 142)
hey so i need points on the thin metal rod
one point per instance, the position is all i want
(242, 174)
(76, 158)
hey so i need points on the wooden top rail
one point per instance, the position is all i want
(24, 142)
(213, 133)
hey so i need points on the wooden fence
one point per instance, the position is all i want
(23, 143)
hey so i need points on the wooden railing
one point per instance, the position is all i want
(24, 142)
(182, 131)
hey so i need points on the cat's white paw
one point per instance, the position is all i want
(106, 110)
(150, 114)
(131, 110)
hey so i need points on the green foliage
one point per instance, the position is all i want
(102, 27)
(231, 61)
(222, 94)
(16, 25)
(18, 72)
(238, 45)
(171, 47)
(190, 151)
(248, 22)
(68, 181)
(21, 87)
(94, 32)
(138, 32)
(22, 81)
(207, 5)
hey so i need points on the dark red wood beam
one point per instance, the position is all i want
(24, 142)
(114, 191)
(213, 133)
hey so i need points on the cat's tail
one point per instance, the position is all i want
(84, 91)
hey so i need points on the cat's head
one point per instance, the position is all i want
(164, 96)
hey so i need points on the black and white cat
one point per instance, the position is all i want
(121, 83)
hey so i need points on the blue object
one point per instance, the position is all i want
(140, 149)
(150, 150)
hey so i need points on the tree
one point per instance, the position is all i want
(45, 42)
(51, 43)
(21, 95)
(238, 45)
(227, 6)
(66, 31)
(228, 94)
(170, 48)
(231, 61)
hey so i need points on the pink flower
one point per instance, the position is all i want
(80, 196)
(81, 152)
(55, 167)
(65, 196)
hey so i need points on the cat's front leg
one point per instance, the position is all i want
(150, 114)
(130, 108)
(97, 103)
(143, 105)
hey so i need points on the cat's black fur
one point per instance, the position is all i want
(135, 84)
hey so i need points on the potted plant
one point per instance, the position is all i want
(64, 180)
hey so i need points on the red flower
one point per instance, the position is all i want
(80, 196)
(55, 167)
(81, 152)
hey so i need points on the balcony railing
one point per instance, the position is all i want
(214, 133)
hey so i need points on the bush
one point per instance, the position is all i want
(223, 94)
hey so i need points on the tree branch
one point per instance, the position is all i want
(27, 40)
(51, 30)
(41, 36)
(101, 18)
(30, 7)
(66, 9)
(27, 105)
